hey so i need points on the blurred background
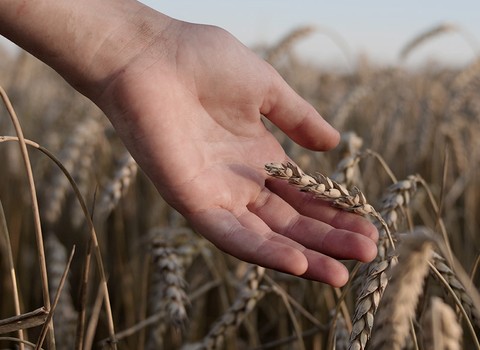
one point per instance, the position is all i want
(410, 142)
(376, 29)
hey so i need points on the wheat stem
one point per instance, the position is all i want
(93, 234)
(45, 327)
(35, 209)
(11, 266)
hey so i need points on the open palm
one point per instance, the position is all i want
(191, 116)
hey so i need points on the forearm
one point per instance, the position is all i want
(86, 41)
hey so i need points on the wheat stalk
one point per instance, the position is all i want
(46, 326)
(425, 36)
(65, 314)
(35, 209)
(93, 235)
(6, 249)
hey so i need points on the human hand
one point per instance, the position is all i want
(191, 117)
(187, 101)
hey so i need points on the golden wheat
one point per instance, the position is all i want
(442, 330)
(248, 296)
(397, 307)
(405, 122)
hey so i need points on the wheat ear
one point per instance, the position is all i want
(249, 295)
(285, 44)
(392, 322)
(441, 328)
(172, 252)
(341, 334)
(347, 172)
(168, 282)
(118, 186)
(394, 205)
(425, 36)
(374, 275)
(457, 287)
(321, 186)
(71, 156)
(372, 290)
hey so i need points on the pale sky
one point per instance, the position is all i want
(377, 28)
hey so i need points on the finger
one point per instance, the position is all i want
(325, 269)
(306, 204)
(297, 118)
(314, 234)
(265, 248)
(320, 267)
(255, 244)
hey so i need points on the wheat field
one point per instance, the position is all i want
(91, 257)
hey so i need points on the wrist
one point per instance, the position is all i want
(87, 42)
(129, 37)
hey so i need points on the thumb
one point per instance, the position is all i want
(297, 118)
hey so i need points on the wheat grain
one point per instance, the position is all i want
(396, 199)
(347, 172)
(325, 188)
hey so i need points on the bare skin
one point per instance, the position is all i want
(187, 101)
